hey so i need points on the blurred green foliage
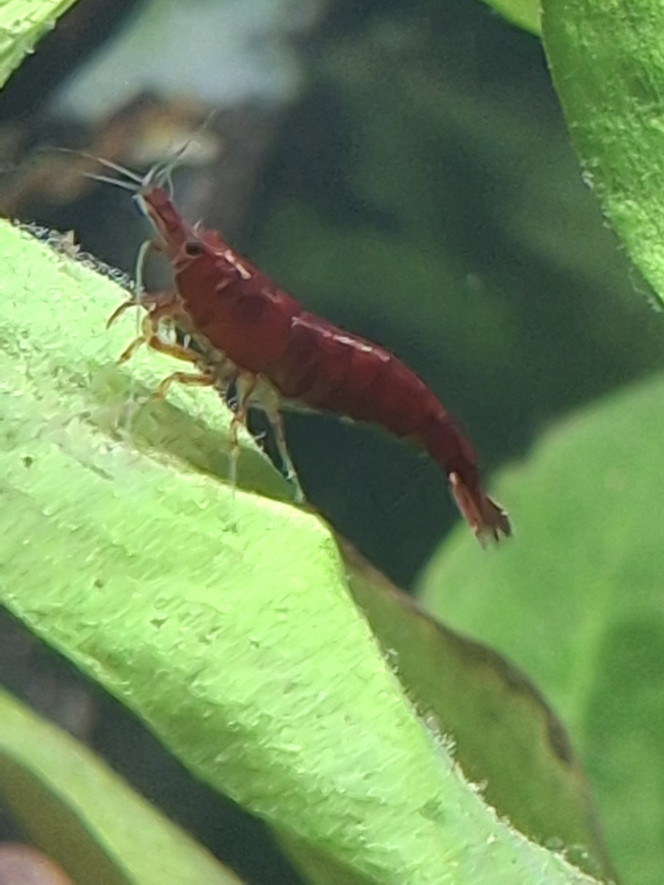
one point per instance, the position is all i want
(426, 195)
(440, 209)
(85, 816)
(576, 602)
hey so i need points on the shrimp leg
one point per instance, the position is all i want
(199, 380)
(150, 336)
(277, 425)
(158, 304)
(269, 403)
(170, 349)
(245, 386)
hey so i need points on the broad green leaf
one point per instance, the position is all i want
(523, 13)
(84, 816)
(223, 620)
(22, 24)
(607, 62)
(577, 601)
(505, 736)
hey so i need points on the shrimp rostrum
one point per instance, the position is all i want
(251, 333)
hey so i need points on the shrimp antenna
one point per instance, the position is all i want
(107, 164)
(106, 179)
(140, 267)
(162, 173)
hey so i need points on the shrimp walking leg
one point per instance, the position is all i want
(141, 258)
(158, 304)
(171, 349)
(150, 336)
(189, 378)
(277, 424)
(245, 387)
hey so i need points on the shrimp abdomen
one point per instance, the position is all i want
(329, 370)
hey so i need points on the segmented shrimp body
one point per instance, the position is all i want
(289, 354)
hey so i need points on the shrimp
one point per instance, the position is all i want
(247, 329)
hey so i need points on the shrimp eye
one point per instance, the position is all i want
(193, 248)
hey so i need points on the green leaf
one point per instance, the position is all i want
(523, 13)
(84, 816)
(607, 62)
(505, 736)
(223, 620)
(22, 24)
(576, 601)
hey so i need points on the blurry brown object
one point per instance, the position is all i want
(138, 135)
(22, 865)
(217, 174)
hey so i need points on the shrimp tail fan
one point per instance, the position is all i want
(485, 516)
